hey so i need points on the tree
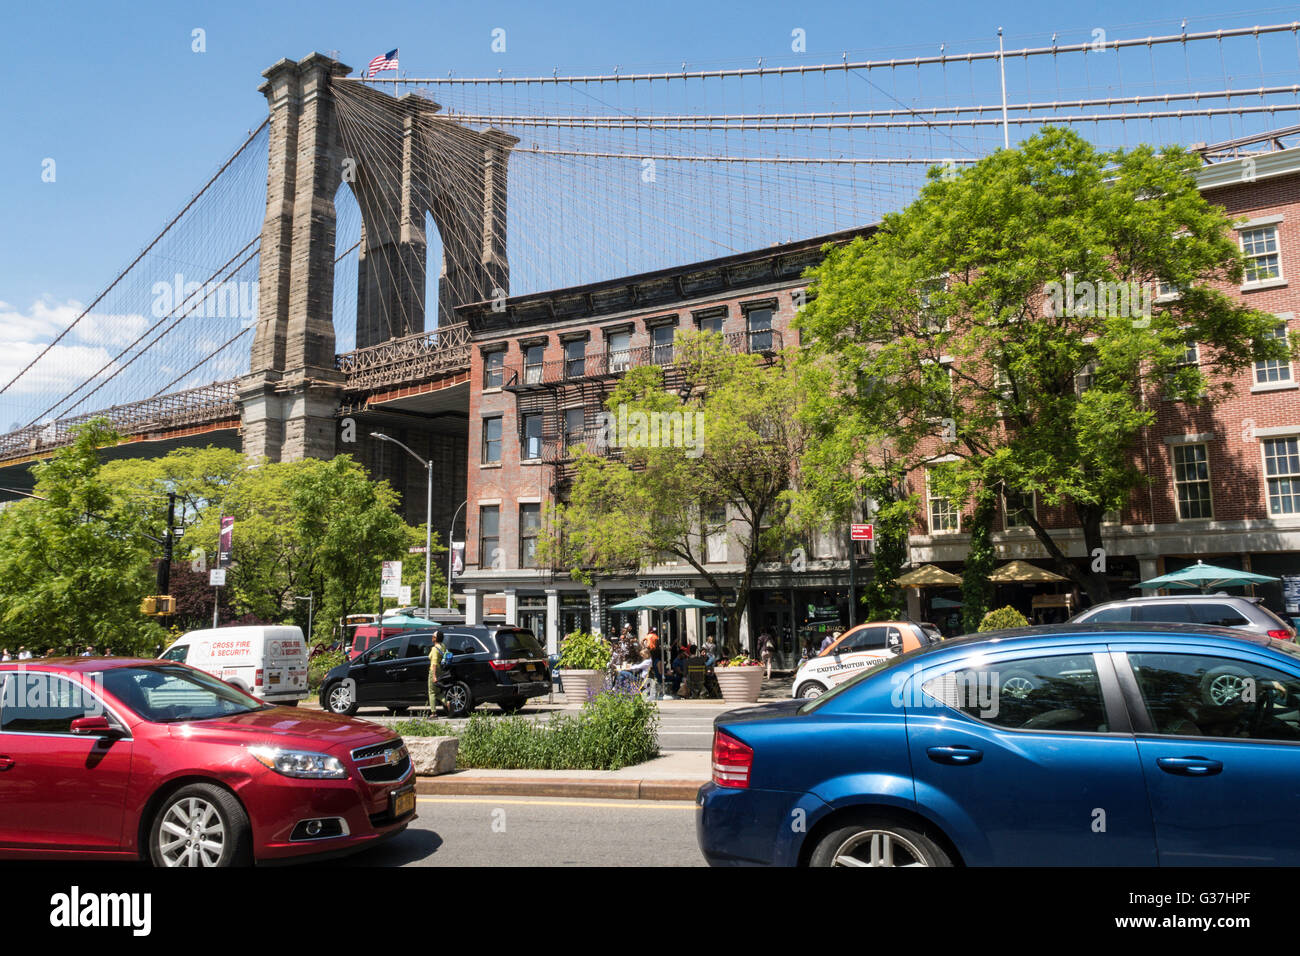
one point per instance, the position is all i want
(724, 472)
(976, 588)
(73, 569)
(1004, 328)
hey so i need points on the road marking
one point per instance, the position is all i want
(539, 801)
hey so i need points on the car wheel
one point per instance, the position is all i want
(458, 699)
(1224, 685)
(1017, 684)
(810, 689)
(512, 706)
(339, 699)
(200, 825)
(877, 842)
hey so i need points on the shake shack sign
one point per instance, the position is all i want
(669, 583)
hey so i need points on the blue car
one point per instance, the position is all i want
(1069, 745)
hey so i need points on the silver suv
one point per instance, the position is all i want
(1220, 610)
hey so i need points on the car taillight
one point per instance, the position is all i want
(732, 761)
(1280, 634)
(502, 665)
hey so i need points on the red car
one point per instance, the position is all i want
(112, 757)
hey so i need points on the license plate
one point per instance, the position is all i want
(532, 668)
(275, 678)
(403, 803)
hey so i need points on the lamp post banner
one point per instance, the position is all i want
(225, 541)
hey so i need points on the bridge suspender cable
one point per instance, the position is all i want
(144, 252)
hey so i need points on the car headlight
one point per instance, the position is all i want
(299, 763)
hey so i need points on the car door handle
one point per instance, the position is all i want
(1190, 766)
(957, 756)
(6, 762)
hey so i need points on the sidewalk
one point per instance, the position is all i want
(673, 775)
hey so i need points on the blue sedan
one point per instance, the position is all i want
(1070, 745)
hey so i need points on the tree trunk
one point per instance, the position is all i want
(1094, 584)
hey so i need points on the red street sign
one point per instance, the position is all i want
(861, 532)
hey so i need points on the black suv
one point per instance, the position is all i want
(496, 664)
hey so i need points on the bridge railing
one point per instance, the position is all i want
(413, 358)
(206, 403)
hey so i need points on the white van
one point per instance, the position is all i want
(267, 662)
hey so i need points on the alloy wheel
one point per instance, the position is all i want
(877, 848)
(192, 834)
(340, 698)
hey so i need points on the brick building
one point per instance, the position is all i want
(1226, 482)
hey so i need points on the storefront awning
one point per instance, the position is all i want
(1022, 572)
(929, 576)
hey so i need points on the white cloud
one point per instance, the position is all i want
(47, 317)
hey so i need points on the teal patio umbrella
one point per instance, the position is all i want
(661, 600)
(1206, 576)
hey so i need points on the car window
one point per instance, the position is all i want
(462, 644)
(1220, 615)
(517, 643)
(867, 639)
(177, 652)
(173, 692)
(1192, 695)
(1111, 615)
(1059, 693)
(35, 702)
(1168, 613)
(389, 650)
(419, 645)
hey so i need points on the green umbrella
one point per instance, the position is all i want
(1206, 576)
(401, 620)
(660, 600)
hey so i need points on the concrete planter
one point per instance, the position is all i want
(739, 685)
(580, 685)
(432, 755)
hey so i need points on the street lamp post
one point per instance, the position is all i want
(311, 605)
(451, 533)
(428, 516)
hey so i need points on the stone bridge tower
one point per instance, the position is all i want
(401, 160)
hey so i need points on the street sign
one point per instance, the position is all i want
(390, 579)
(416, 549)
(404, 594)
(862, 532)
(217, 577)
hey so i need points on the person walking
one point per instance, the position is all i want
(24, 654)
(830, 639)
(437, 670)
(765, 648)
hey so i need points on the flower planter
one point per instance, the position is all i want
(580, 685)
(739, 685)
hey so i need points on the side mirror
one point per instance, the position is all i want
(93, 727)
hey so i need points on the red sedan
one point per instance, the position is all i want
(112, 757)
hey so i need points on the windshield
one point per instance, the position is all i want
(169, 693)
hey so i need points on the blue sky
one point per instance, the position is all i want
(136, 121)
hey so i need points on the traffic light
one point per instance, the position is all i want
(149, 606)
(158, 605)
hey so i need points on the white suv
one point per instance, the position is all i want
(1218, 610)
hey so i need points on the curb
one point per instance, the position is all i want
(458, 785)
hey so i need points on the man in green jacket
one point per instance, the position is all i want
(437, 671)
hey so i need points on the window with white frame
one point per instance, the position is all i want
(620, 350)
(1282, 473)
(1016, 506)
(944, 516)
(1191, 353)
(1274, 370)
(1083, 378)
(715, 534)
(1260, 248)
(1192, 481)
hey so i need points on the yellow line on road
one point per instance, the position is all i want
(538, 801)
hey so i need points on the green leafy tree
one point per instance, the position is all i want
(976, 588)
(893, 515)
(951, 337)
(73, 568)
(1001, 619)
(731, 480)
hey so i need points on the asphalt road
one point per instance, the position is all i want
(540, 831)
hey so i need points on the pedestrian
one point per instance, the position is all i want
(766, 646)
(23, 653)
(49, 652)
(437, 657)
(108, 652)
(830, 639)
(88, 652)
(4, 655)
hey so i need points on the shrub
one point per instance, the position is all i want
(1002, 618)
(319, 665)
(423, 727)
(583, 652)
(613, 730)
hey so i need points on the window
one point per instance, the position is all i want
(1274, 370)
(867, 639)
(491, 440)
(1035, 693)
(1121, 614)
(387, 651)
(715, 531)
(1191, 695)
(574, 425)
(1167, 290)
(1260, 248)
(1192, 481)
(494, 364)
(575, 354)
(420, 645)
(661, 342)
(943, 514)
(533, 355)
(42, 703)
(620, 351)
(1083, 378)
(1282, 472)
(931, 323)
(177, 653)
(530, 523)
(1218, 615)
(1015, 505)
(758, 325)
(463, 644)
(711, 323)
(489, 536)
(532, 437)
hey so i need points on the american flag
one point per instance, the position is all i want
(385, 61)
